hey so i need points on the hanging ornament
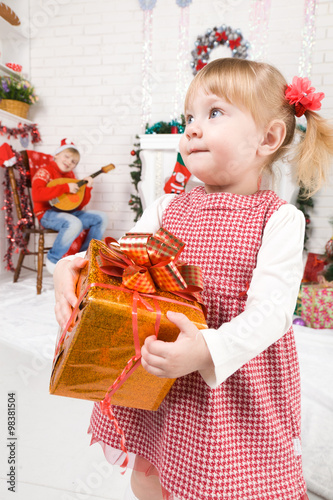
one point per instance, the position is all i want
(24, 141)
(309, 31)
(224, 35)
(259, 21)
(183, 3)
(147, 6)
(182, 77)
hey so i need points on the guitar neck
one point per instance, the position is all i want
(95, 174)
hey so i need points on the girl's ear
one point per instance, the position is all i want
(273, 138)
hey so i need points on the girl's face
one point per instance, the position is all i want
(220, 145)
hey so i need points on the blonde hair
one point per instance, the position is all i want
(74, 151)
(260, 88)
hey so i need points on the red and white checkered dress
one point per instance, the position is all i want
(234, 442)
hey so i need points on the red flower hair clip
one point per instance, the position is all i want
(303, 96)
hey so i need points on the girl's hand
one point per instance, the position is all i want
(65, 278)
(175, 359)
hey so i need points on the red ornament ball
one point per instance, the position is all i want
(133, 153)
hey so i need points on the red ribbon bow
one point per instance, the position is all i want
(221, 36)
(202, 48)
(235, 43)
(146, 262)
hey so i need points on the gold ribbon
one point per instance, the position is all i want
(147, 262)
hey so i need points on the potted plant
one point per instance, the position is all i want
(16, 95)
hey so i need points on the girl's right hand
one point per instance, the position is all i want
(65, 278)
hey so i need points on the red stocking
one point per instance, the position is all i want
(7, 156)
(179, 178)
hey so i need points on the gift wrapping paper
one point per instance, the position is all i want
(317, 306)
(97, 347)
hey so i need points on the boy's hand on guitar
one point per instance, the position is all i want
(73, 187)
(90, 181)
(65, 278)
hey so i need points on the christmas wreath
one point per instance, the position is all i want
(224, 35)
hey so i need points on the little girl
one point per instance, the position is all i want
(229, 429)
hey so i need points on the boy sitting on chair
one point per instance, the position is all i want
(69, 224)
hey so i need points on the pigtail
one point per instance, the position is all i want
(314, 154)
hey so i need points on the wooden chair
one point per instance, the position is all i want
(28, 231)
(24, 206)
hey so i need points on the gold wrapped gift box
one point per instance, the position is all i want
(95, 351)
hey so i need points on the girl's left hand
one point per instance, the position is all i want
(175, 359)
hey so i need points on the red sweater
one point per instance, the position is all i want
(41, 194)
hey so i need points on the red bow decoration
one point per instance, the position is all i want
(235, 43)
(202, 48)
(303, 96)
(200, 65)
(146, 262)
(221, 36)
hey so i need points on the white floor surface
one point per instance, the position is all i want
(53, 458)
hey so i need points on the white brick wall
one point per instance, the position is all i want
(86, 65)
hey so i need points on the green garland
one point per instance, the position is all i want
(136, 165)
(174, 126)
(167, 127)
(305, 204)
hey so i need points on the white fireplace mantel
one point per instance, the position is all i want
(158, 156)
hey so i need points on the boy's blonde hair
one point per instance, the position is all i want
(260, 88)
(71, 150)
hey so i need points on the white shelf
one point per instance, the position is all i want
(160, 141)
(12, 120)
(8, 30)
